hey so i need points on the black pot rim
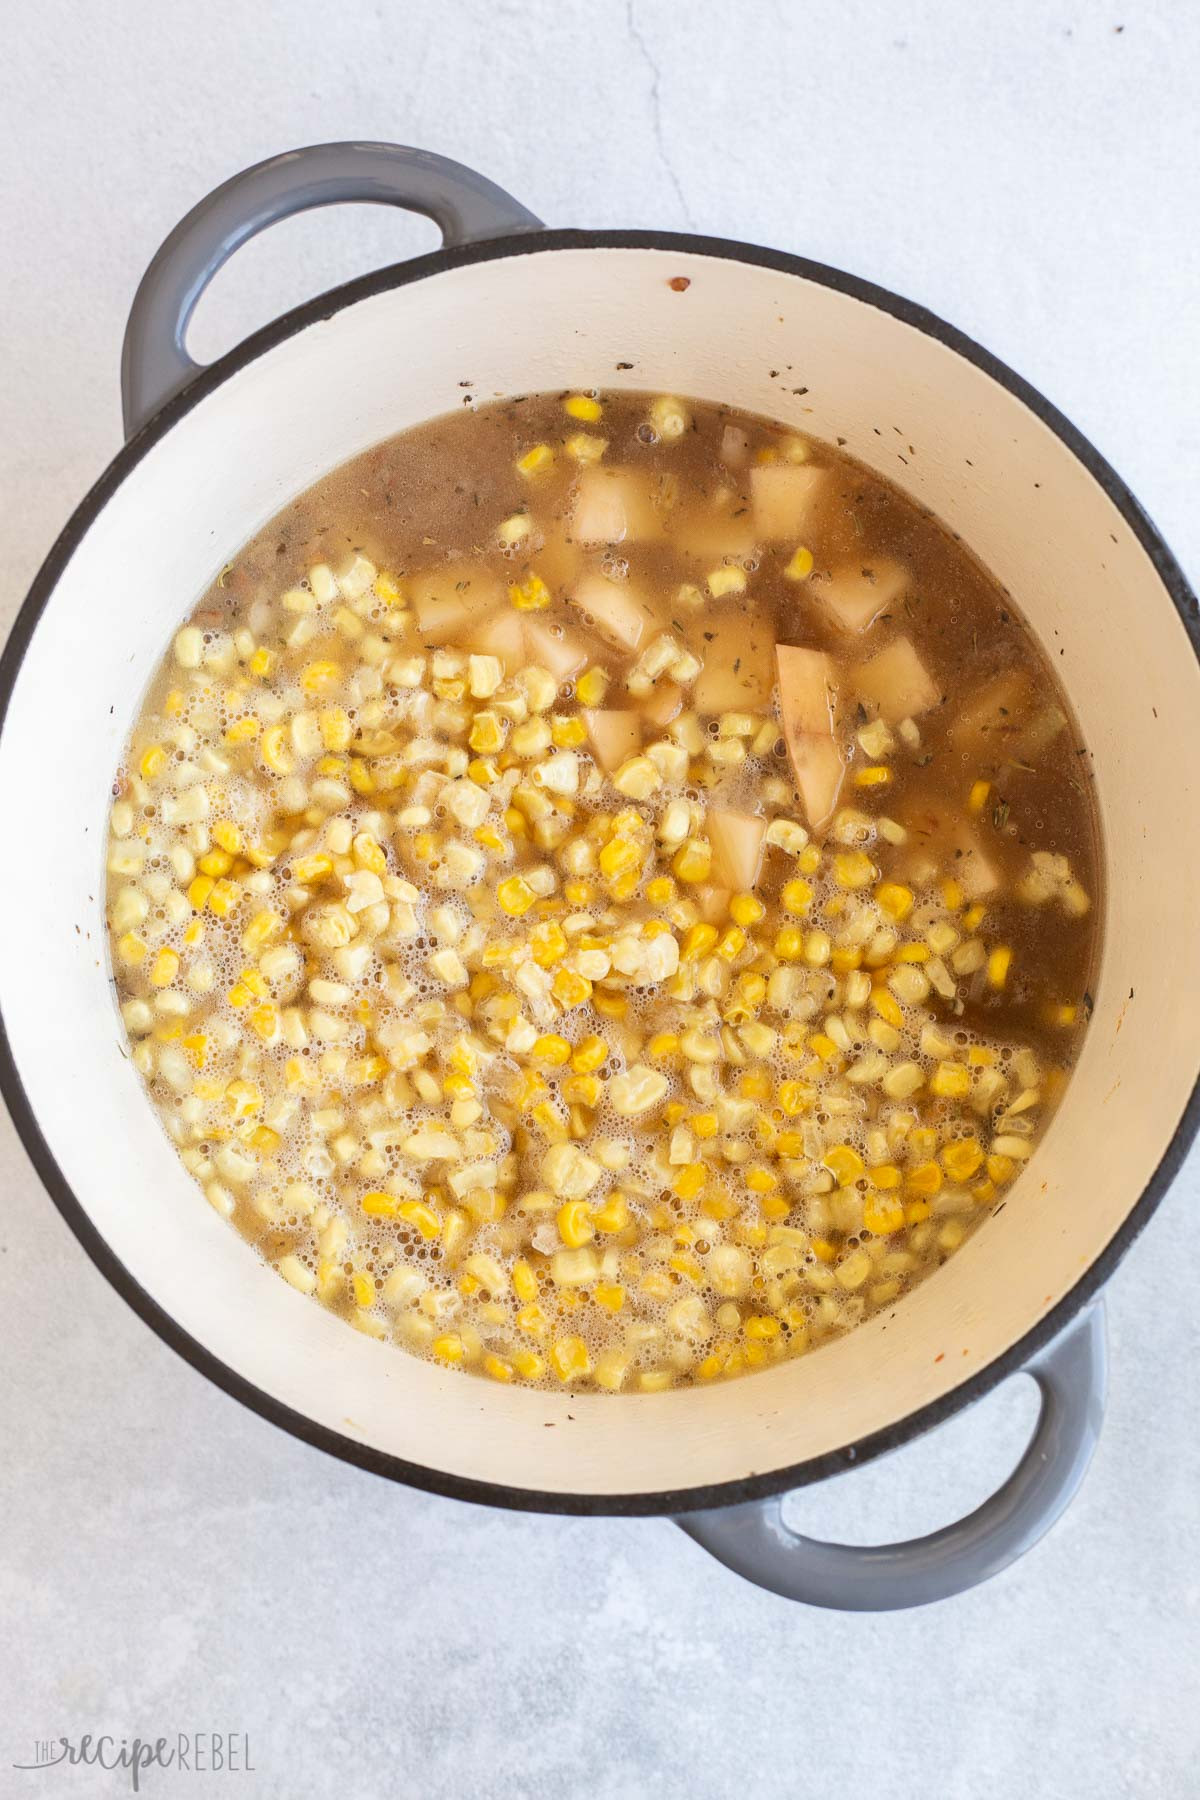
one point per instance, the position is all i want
(755, 1485)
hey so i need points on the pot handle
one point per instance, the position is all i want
(467, 207)
(753, 1541)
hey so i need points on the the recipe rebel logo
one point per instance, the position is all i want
(194, 1753)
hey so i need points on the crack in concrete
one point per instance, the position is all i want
(656, 113)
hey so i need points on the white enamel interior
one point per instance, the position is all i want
(552, 319)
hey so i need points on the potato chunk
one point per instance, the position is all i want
(896, 683)
(785, 496)
(819, 767)
(616, 608)
(614, 735)
(807, 690)
(501, 634)
(553, 647)
(446, 600)
(613, 506)
(737, 841)
(855, 596)
(739, 664)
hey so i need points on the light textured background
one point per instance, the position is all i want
(167, 1561)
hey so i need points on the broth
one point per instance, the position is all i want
(543, 976)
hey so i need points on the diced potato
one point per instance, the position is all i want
(707, 533)
(854, 596)
(613, 506)
(446, 600)
(786, 497)
(819, 769)
(737, 842)
(739, 664)
(614, 735)
(807, 691)
(501, 634)
(895, 683)
(616, 608)
(735, 447)
(662, 703)
(553, 647)
(713, 903)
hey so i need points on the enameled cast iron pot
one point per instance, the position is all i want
(513, 308)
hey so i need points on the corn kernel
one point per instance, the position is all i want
(583, 407)
(800, 566)
(570, 1360)
(998, 964)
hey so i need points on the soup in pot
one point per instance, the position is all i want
(603, 890)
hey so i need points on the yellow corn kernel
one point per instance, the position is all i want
(551, 1048)
(733, 942)
(796, 897)
(528, 1365)
(525, 1282)
(912, 953)
(575, 1226)
(853, 869)
(230, 838)
(583, 407)
(152, 763)
(697, 941)
(689, 1182)
(582, 1090)
(613, 1215)
(173, 704)
(883, 1214)
(274, 750)
(755, 1084)
(762, 1326)
(592, 686)
(570, 1360)
(244, 730)
(620, 856)
(420, 1215)
(535, 461)
(388, 588)
(530, 595)
(364, 1290)
(224, 899)
(487, 733)
(844, 958)
(823, 1250)
(998, 964)
(590, 1054)
(308, 869)
(800, 566)
(215, 862)
(973, 917)
(662, 1045)
(977, 798)
(337, 731)
(962, 1159)
(264, 1021)
(760, 1180)
(789, 943)
(952, 894)
(260, 662)
(198, 891)
(744, 909)
(895, 899)
(568, 733)
(547, 944)
(610, 1295)
(873, 775)
(164, 968)
(925, 1179)
(1000, 1168)
(515, 896)
(844, 1164)
(660, 891)
(1060, 1014)
(692, 861)
(887, 1006)
(570, 989)
(496, 1367)
(795, 1097)
(824, 1046)
(916, 1210)
(533, 1320)
(610, 1005)
(950, 1081)
(448, 1347)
